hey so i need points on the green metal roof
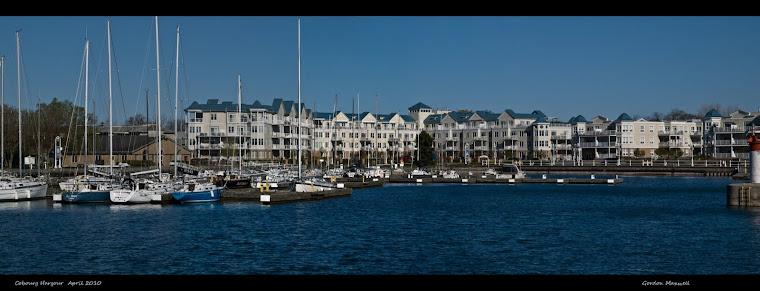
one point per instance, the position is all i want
(711, 114)
(418, 106)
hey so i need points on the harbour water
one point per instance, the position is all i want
(644, 226)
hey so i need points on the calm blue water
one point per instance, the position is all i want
(647, 225)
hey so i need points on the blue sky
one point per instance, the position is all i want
(563, 65)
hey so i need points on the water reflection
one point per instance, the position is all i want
(22, 205)
(134, 207)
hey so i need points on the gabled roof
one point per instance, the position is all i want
(384, 117)
(324, 115)
(487, 115)
(363, 115)
(535, 115)
(434, 119)
(407, 118)
(418, 106)
(460, 117)
(756, 121)
(229, 106)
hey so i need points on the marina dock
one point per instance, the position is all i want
(494, 180)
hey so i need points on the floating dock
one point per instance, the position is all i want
(279, 197)
(494, 180)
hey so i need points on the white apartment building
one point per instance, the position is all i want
(270, 133)
(366, 138)
(260, 132)
(726, 136)
(485, 135)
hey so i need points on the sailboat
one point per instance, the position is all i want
(194, 190)
(311, 184)
(237, 180)
(26, 188)
(131, 192)
(86, 191)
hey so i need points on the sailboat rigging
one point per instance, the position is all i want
(21, 188)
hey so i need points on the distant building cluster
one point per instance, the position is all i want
(270, 133)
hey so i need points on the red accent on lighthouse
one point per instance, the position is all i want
(754, 144)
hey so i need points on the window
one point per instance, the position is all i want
(213, 116)
(641, 128)
(230, 130)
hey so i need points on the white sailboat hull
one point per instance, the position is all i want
(24, 193)
(131, 196)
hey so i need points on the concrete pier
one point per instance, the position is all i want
(743, 195)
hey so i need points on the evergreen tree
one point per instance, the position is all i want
(426, 150)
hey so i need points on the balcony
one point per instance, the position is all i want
(735, 142)
(597, 144)
(560, 137)
(729, 129)
(732, 155)
(673, 132)
(598, 133)
(672, 144)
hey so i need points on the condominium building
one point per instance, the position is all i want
(726, 136)
(270, 133)
(259, 132)
(349, 139)
(485, 135)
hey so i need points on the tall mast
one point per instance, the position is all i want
(18, 68)
(240, 119)
(176, 93)
(110, 105)
(2, 117)
(332, 132)
(377, 125)
(37, 160)
(158, 108)
(299, 98)
(86, 85)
